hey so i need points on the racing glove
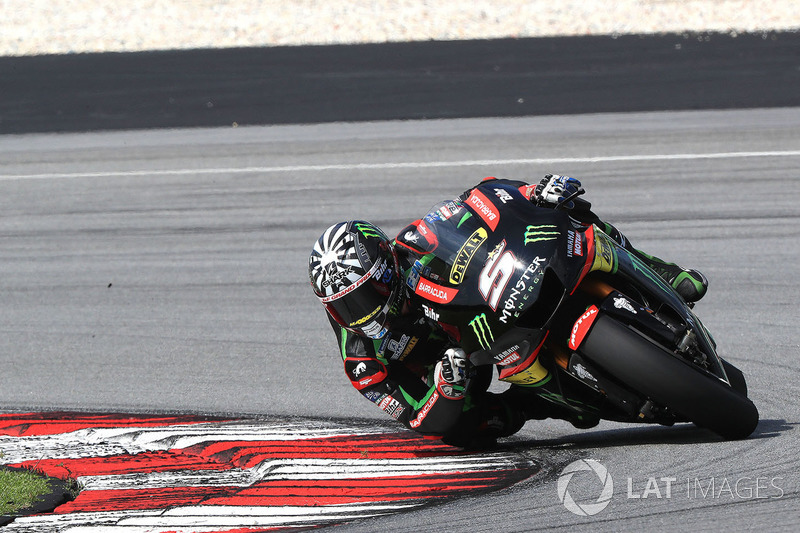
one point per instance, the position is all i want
(450, 374)
(555, 190)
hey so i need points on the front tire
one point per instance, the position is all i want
(668, 380)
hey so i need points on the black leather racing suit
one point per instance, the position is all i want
(396, 373)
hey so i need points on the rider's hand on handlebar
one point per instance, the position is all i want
(451, 373)
(554, 189)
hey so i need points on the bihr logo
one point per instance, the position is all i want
(585, 485)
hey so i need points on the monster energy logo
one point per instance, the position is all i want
(368, 230)
(541, 233)
(482, 330)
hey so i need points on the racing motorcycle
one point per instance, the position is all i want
(571, 316)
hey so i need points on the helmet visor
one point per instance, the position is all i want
(364, 305)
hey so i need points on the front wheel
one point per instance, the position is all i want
(668, 380)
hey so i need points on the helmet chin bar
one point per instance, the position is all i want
(375, 328)
(331, 311)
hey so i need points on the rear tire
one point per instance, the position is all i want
(668, 380)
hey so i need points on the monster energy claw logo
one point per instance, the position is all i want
(482, 330)
(368, 230)
(546, 232)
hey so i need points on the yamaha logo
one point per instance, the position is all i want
(583, 486)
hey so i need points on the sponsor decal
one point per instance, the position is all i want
(391, 407)
(386, 274)
(374, 330)
(374, 396)
(335, 278)
(366, 318)
(522, 290)
(425, 410)
(581, 327)
(364, 372)
(544, 232)
(513, 358)
(465, 255)
(411, 344)
(527, 371)
(448, 210)
(418, 237)
(533, 374)
(508, 356)
(187, 473)
(359, 369)
(574, 244)
(605, 256)
(432, 217)
(449, 392)
(411, 237)
(397, 346)
(480, 326)
(368, 230)
(623, 303)
(528, 191)
(414, 274)
(434, 292)
(503, 195)
(484, 208)
(430, 313)
(384, 344)
(377, 267)
(582, 373)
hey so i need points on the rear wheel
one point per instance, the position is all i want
(670, 381)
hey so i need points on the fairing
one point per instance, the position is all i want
(500, 264)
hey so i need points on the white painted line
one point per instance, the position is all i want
(211, 517)
(168, 479)
(389, 166)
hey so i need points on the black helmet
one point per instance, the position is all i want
(354, 271)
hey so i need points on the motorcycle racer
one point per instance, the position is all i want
(396, 353)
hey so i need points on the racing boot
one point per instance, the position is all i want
(488, 417)
(689, 283)
(536, 408)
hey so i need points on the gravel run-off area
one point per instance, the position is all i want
(75, 26)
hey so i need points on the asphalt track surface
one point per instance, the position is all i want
(164, 271)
